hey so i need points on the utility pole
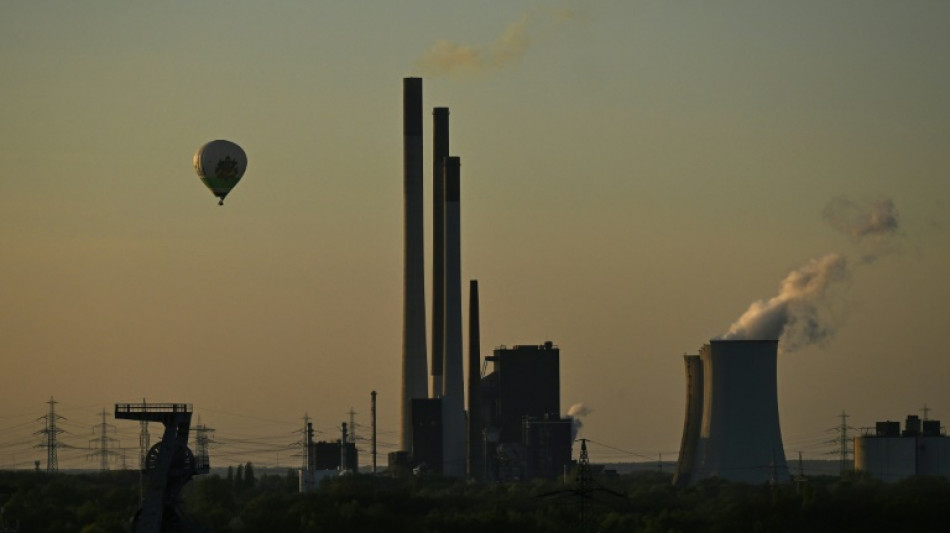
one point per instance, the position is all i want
(373, 414)
(103, 441)
(343, 450)
(926, 411)
(51, 431)
(307, 463)
(144, 444)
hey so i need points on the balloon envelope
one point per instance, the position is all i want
(220, 165)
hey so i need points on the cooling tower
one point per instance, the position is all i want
(440, 150)
(414, 363)
(739, 437)
(453, 385)
(693, 421)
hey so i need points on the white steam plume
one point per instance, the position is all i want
(799, 314)
(794, 315)
(447, 58)
(577, 411)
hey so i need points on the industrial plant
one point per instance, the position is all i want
(512, 428)
(889, 454)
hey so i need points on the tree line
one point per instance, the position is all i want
(245, 502)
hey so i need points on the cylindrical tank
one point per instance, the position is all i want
(886, 458)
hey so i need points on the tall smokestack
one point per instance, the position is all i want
(440, 150)
(414, 372)
(453, 385)
(474, 382)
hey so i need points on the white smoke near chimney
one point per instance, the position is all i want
(576, 412)
(800, 314)
(447, 58)
(794, 315)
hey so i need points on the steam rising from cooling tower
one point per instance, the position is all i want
(450, 58)
(799, 314)
(794, 314)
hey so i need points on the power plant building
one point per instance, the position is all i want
(523, 434)
(731, 428)
(890, 454)
(427, 447)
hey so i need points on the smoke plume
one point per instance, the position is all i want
(872, 224)
(794, 316)
(800, 314)
(577, 411)
(447, 58)
(879, 218)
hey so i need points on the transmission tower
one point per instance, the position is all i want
(51, 431)
(844, 443)
(104, 442)
(584, 485)
(202, 447)
(583, 490)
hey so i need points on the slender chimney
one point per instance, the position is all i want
(373, 414)
(453, 385)
(414, 372)
(474, 383)
(440, 150)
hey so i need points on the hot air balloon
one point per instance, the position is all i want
(220, 165)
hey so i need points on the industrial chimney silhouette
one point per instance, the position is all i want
(453, 384)
(731, 430)
(440, 150)
(414, 363)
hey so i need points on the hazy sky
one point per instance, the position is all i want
(634, 176)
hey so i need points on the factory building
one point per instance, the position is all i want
(547, 446)
(427, 452)
(523, 435)
(889, 454)
(731, 428)
(329, 456)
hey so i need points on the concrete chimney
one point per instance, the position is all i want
(414, 359)
(440, 150)
(453, 385)
(475, 453)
